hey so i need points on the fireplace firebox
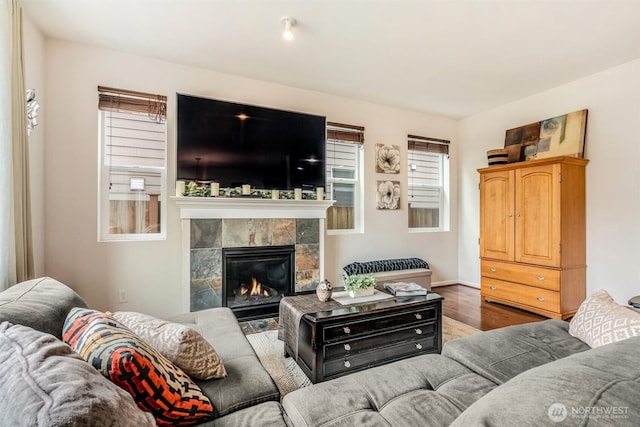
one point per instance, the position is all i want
(254, 279)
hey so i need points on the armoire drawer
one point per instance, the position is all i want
(523, 294)
(526, 274)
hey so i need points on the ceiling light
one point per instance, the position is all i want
(288, 23)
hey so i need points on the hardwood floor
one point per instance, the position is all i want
(463, 303)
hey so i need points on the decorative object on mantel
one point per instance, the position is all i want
(192, 189)
(499, 156)
(388, 195)
(359, 286)
(387, 158)
(558, 136)
(324, 290)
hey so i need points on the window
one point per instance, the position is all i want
(428, 183)
(344, 177)
(132, 181)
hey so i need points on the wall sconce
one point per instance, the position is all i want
(288, 23)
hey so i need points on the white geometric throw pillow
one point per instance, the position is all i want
(600, 321)
(180, 344)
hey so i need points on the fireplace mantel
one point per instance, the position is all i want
(241, 207)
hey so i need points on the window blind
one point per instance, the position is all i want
(429, 145)
(110, 99)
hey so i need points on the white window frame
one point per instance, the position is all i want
(444, 202)
(104, 172)
(358, 197)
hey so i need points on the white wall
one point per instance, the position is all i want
(34, 46)
(150, 271)
(613, 178)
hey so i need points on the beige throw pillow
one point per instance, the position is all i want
(179, 343)
(600, 320)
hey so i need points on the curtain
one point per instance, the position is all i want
(16, 247)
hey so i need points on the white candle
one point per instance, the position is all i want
(180, 186)
(297, 193)
(215, 189)
(246, 190)
(275, 194)
(320, 193)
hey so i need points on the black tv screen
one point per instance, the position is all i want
(236, 144)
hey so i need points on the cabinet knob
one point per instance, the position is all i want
(418, 316)
(346, 330)
(510, 215)
(540, 277)
(419, 346)
(540, 298)
(347, 364)
(419, 331)
(493, 288)
(492, 269)
(518, 216)
(347, 347)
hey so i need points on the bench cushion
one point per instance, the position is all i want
(384, 265)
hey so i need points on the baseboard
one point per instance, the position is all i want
(456, 282)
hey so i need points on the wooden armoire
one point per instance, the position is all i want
(533, 235)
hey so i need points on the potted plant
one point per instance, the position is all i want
(359, 286)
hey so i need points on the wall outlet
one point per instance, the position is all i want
(123, 296)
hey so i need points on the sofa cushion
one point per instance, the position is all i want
(179, 343)
(41, 304)
(501, 354)
(596, 387)
(268, 414)
(157, 385)
(247, 382)
(600, 320)
(44, 383)
(427, 390)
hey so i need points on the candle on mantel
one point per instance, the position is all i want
(246, 190)
(297, 193)
(275, 194)
(215, 189)
(320, 193)
(180, 187)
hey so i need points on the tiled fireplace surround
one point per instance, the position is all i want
(211, 224)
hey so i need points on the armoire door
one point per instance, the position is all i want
(496, 215)
(537, 215)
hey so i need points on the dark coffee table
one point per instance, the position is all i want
(334, 340)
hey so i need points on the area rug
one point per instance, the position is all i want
(287, 374)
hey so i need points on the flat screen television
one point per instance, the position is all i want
(236, 144)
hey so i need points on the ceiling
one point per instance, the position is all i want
(449, 57)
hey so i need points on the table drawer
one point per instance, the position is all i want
(345, 348)
(346, 330)
(526, 274)
(528, 295)
(375, 357)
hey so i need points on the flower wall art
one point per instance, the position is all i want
(388, 195)
(387, 158)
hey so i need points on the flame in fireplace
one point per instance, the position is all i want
(256, 289)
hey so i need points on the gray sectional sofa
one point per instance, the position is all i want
(246, 397)
(528, 375)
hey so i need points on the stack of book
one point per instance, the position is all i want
(405, 289)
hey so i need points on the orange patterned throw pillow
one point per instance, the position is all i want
(156, 384)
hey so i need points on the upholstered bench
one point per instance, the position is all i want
(391, 270)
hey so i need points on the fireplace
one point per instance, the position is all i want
(254, 279)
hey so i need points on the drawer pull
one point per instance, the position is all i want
(540, 277)
(347, 347)
(418, 316)
(419, 346)
(347, 364)
(346, 330)
(540, 298)
(492, 269)
(419, 331)
(493, 288)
